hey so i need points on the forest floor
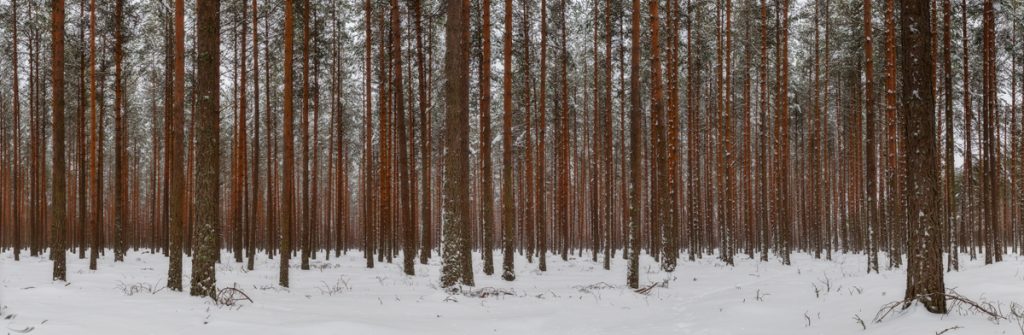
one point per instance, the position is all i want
(342, 296)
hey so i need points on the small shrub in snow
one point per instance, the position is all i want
(136, 288)
(339, 286)
(231, 296)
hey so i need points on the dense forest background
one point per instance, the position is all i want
(601, 128)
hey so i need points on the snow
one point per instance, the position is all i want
(574, 297)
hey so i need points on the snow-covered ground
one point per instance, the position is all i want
(341, 296)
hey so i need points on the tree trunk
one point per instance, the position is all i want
(508, 210)
(304, 213)
(633, 272)
(95, 124)
(486, 176)
(426, 125)
(287, 194)
(869, 140)
(456, 147)
(924, 268)
(58, 250)
(207, 130)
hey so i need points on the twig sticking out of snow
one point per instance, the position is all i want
(860, 321)
(647, 290)
(340, 286)
(956, 300)
(231, 296)
(594, 287)
(1017, 315)
(947, 330)
(486, 292)
(133, 289)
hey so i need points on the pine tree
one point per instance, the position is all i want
(173, 123)
(368, 208)
(947, 83)
(609, 168)
(486, 175)
(562, 199)
(869, 139)
(658, 159)
(120, 172)
(455, 218)
(59, 200)
(782, 137)
(207, 129)
(991, 188)
(257, 191)
(924, 269)
(508, 210)
(404, 189)
(691, 140)
(239, 188)
(633, 272)
(96, 126)
(82, 200)
(305, 227)
(894, 199)
(426, 126)
(541, 225)
(288, 162)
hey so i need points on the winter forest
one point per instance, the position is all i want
(510, 167)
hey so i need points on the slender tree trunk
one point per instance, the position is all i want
(692, 150)
(993, 252)
(658, 154)
(174, 148)
(486, 176)
(96, 176)
(508, 210)
(633, 272)
(894, 200)
(426, 125)
(947, 71)
(82, 201)
(562, 215)
(368, 206)
(238, 171)
(542, 236)
(58, 250)
(257, 190)
(287, 196)
(869, 139)
(405, 209)
(304, 213)
(120, 174)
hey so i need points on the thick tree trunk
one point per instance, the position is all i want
(207, 130)
(174, 147)
(456, 147)
(924, 270)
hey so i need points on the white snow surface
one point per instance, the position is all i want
(342, 296)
